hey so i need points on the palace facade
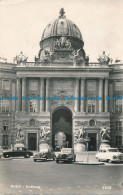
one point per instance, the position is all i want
(52, 98)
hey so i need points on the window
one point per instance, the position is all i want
(4, 106)
(91, 87)
(118, 86)
(5, 84)
(118, 106)
(33, 106)
(5, 125)
(118, 125)
(118, 141)
(33, 85)
(5, 140)
(91, 106)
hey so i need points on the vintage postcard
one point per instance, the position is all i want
(61, 97)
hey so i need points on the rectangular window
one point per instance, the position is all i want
(118, 141)
(33, 85)
(118, 86)
(33, 106)
(5, 125)
(118, 125)
(4, 106)
(91, 106)
(5, 84)
(5, 140)
(118, 107)
(91, 88)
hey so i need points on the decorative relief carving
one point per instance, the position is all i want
(101, 123)
(62, 43)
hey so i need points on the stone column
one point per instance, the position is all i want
(41, 94)
(76, 95)
(106, 94)
(47, 94)
(82, 94)
(23, 94)
(101, 95)
(18, 94)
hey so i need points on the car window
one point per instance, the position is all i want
(113, 150)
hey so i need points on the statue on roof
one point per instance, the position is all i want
(21, 58)
(104, 59)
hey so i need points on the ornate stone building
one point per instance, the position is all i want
(53, 97)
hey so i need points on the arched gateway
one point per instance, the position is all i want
(62, 128)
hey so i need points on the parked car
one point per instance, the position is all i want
(109, 155)
(46, 153)
(17, 152)
(66, 155)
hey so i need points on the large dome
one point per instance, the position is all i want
(61, 27)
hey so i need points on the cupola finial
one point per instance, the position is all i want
(62, 12)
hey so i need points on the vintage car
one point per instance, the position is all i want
(66, 155)
(46, 153)
(17, 152)
(109, 155)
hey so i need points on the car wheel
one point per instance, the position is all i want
(57, 161)
(6, 156)
(54, 158)
(27, 156)
(34, 160)
(45, 159)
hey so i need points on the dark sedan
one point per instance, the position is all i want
(20, 151)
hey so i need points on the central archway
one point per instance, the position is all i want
(62, 128)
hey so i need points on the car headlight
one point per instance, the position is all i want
(114, 157)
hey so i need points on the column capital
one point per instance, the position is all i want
(24, 78)
(83, 78)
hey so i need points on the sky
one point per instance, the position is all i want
(22, 23)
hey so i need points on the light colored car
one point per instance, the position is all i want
(66, 155)
(46, 153)
(110, 155)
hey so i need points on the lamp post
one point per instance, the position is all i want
(87, 139)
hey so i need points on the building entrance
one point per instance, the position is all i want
(32, 141)
(62, 128)
(92, 144)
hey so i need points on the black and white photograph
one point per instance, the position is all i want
(61, 97)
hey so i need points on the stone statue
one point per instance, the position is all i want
(82, 132)
(86, 59)
(44, 132)
(20, 134)
(104, 133)
(21, 58)
(104, 58)
(47, 56)
(77, 58)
